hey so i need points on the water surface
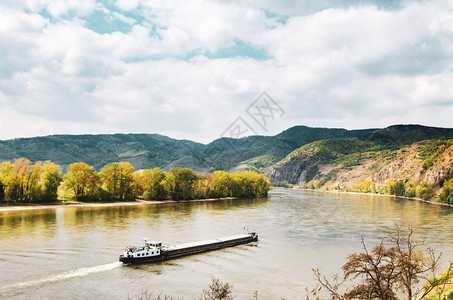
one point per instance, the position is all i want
(72, 253)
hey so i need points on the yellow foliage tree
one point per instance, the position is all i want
(82, 180)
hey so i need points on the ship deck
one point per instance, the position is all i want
(207, 242)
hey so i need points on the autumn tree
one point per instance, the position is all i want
(82, 180)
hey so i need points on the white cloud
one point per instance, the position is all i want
(329, 65)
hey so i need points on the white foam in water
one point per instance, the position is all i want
(64, 276)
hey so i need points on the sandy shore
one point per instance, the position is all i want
(131, 203)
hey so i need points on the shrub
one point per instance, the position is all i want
(410, 190)
(447, 192)
(398, 188)
(425, 191)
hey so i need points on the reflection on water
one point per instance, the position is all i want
(75, 249)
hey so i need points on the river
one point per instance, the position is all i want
(72, 252)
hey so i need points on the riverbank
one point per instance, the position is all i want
(374, 194)
(130, 203)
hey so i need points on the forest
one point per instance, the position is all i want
(24, 182)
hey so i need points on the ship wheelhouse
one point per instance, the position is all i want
(149, 249)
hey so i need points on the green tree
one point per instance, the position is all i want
(82, 180)
(262, 185)
(51, 178)
(410, 190)
(20, 167)
(2, 192)
(20, 180)
(10, 180)
(202, 188)
(397, 188)
(154, 185)
(117, 180)
(425, 191)
(183, 183)
(241, 185)
(221, 183)
(447, 192)
(31, 190)
(137, 186)
(314, 184)
(249, 183)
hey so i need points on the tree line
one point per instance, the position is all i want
(423, 190)
(22, 181)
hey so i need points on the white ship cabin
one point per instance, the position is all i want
(148, 250)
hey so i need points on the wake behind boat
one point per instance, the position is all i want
(154, 251)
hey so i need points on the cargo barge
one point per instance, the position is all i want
(155, 251)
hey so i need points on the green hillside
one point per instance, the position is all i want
(153, 150)
(142, 150)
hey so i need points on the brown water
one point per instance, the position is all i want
(72, 253)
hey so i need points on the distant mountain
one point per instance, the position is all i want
(410, 153)
(399, 135)
(154, 150)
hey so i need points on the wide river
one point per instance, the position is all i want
(72, 253)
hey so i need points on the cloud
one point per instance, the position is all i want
(190, 71)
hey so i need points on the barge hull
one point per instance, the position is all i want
(193, 248)
(204, 246)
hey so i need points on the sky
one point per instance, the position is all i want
(204, 69)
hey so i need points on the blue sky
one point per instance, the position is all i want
(189, 70)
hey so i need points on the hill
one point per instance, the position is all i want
(142, 150)
(412, 154)
(154, 150)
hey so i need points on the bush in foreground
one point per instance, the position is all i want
(402, 266)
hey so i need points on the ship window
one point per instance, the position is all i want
(138, 254)
(152, 252)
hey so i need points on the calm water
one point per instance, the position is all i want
(72, 253)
